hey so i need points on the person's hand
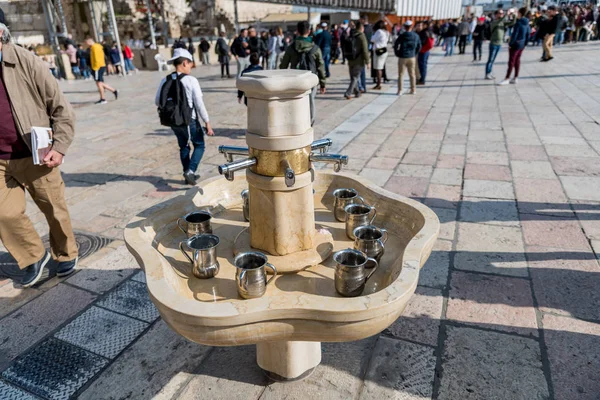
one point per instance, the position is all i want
(53, 159)
(239, 100)
(368, 66)
(322, 91)
(209, 130)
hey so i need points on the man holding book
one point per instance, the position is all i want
(30, 97)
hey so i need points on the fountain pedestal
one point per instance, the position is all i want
(286, 361)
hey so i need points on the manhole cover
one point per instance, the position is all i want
(87, 244)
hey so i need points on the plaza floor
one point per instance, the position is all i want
(508, 305)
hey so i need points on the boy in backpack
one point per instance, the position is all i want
(304, 54)
(180, 104)
(356, 50)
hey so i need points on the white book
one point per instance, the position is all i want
(41, 143)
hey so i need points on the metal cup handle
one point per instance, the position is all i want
(268, 265)
(184, 252)
(241, 280)
(374, 215)
(179, 225)
(374, 268)
(361, 200)
(384, 238)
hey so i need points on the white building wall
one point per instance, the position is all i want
(438, 9)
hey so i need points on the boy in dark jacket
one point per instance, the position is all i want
(254, 66)
(518, 41)
(478, 38)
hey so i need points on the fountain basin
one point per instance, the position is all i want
(296, 307)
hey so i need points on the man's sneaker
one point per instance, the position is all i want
(116, 93)
(347, 97)
(549, 58)
(514, 81)
(504, 82)
(489, 77)
(66, 267)
(101, 101)
(399, 93)
(34, 272)
(412, 92)
(190, 178)
(197, 176)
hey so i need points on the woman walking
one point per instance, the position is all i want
(517, 44)
(380, 40)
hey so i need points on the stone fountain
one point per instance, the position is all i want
(291, 221)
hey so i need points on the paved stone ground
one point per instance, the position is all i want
(507, 306)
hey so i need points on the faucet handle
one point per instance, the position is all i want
(289, 174)
(336, 159)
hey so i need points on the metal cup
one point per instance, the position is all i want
(250, 274)
(343, 198)
(358, 215)
(196, 223)
(370, 240)
(246, 198)
(204, 255)
(350, 274)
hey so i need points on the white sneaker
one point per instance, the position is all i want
(504, 82)
(514, 81)
(489, 77)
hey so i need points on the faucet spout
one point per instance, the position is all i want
(230, 151)
(228, 170)
(336, 159)
(322, 145)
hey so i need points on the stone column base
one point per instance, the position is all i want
(288, 361)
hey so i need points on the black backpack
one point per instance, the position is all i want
(306, 60)
(350, 46)
(173, 107)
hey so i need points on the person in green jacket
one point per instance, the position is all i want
(304, 54)
(358, 61)
(498, 27)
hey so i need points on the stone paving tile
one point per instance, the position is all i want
(385, 163)
(378, 176)
(11, 297)
(489, 158)
(488, 189)
(491, 249)
(447, 217)
(566, 281)
(541, 196)
(399, 370)
(10, 392)
(339, 376)
(407, 186)
(582, 188)
(132, 299)
(54, 370)
(570, 151)
(107, 272)
(101, 331)
(425, 146)
(417, 171)
(443, 196)
(453, 149)
(487, 172)
(141, 372)
(527, 153)
(139, 277)
(31, 323)
(574, 353)
(488, 211)
(547, 231)
(420, 321)
(478, 146)
(504, 303)
(447, 176)
(488, 365)
(532, 169)
(450, 161)
(228, 373)
(419, 158)
(574, 166)
(435, 271)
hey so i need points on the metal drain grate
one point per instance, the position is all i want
(88, 244)
(54, 370)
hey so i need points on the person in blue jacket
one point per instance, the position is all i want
(518, 41)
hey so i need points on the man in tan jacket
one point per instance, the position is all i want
(29, 96)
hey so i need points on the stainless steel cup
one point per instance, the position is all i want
(350, 274)
(370, 240)
(250, 274)
(358, 215)
(246, 198)
(343, 198)
(204, 255)
(196, 222)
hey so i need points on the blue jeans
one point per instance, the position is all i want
(185, 134)
(449, 42)
(494, 50)
(559, 38)
(362, 82)
(422, 60)
(327, 60)
(129, 65)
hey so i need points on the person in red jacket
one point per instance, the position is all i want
(427, 42)
(128, 57)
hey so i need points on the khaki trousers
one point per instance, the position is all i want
(409, 64)
(46, 187)
(547, 45)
